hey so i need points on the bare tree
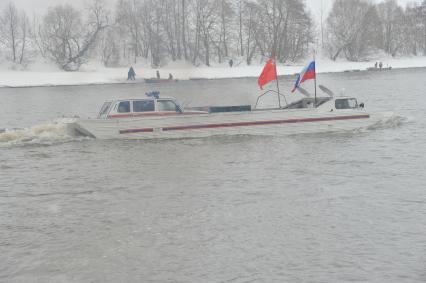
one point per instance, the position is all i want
(9, 30)
(250, 31)
(109, 48)
(205, 23)
(14, 29)
(66, 38)
(183, 23)
(226, 14)
(129, 19)
(201, 31)
(357, 27)
(422, 12)
(352, 28)
(414, 32)
(23, 26)
(392, 20)
(170, 18)
(205, 30)
(240, 7)
(282, 26)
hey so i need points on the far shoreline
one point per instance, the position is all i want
(117, 81)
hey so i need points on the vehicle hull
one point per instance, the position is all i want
(262, 122)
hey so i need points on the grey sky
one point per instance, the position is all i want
(39, 6)
(315, 5)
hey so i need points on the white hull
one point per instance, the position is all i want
(262, 122)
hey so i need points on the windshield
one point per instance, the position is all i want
(347, 103)
(167, 105)
(124, 107)
(143, 106)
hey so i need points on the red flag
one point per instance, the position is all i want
(269, 73)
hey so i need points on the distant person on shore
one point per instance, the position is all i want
(231, 63)
(131, 74)
(375, 65)
(170, 76)
(380, 65)
(158, 74)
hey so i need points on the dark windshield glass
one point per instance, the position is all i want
(143, 106)
(124, 107)
(167, 105)
(347, 103)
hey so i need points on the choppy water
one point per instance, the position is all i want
(309, 208)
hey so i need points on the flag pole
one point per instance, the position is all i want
(315, 70)
(278, 85)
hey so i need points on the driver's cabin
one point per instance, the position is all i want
(125, 108)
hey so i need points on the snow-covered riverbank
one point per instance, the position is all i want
(92, 74)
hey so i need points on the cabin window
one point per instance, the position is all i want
(347, 103)
(104, 108)
(167, 105)
(124, 107)
(143, 106)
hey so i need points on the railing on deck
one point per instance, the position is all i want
(269, 91)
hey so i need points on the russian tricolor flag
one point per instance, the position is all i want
(307, 73)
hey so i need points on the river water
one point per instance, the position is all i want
(306, 208)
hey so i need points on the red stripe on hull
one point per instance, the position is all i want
(246, 124)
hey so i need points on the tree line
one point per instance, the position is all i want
(356, 28)
(206, 31)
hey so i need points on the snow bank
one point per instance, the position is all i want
(97, 74)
